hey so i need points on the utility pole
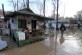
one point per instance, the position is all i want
(56, 27)
(64, 11)
(44, 8)
(57, 15)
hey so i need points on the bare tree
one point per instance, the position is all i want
(24, 3)
(18, 4)
(40, 6)
(79, 15)
(13, 4)
(54, 4)
(44, 7)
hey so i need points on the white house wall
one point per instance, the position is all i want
(29, 19)
(13, 24)
(29, 24)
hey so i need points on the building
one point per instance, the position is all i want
(25, 18)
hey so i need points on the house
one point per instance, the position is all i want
(23, 18)
(27, 18)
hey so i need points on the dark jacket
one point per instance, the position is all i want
(62, 28)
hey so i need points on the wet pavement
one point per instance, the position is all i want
(71, 46)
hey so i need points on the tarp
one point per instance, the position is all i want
(1, 20)
(3, 44)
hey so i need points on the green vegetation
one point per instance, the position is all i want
(24, 42)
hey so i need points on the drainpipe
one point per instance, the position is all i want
(4, 18)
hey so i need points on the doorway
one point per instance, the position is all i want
(33, 24)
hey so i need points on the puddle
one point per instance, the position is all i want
(71, 46)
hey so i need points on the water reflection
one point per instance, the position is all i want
(47, 41)
(71, 46)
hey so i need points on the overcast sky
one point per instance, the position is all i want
(66, 7)
(70, 6)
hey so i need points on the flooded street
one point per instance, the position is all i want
(72, 43)
(71, 46)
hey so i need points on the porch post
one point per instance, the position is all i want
(17, 16)
(3, 20)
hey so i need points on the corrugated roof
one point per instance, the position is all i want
(27, 12)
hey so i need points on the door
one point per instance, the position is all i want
(33, 24)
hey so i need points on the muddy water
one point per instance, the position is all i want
(71, 46)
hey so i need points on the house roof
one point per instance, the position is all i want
(26, 12)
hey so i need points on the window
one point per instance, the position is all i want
(21, 23)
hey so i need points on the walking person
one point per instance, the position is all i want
(62, 29)
(78, 26)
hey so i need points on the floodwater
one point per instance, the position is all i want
(71, 46)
